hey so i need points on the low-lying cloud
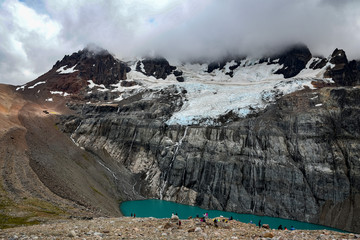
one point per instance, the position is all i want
(35, 35)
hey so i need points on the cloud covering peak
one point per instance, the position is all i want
(37, 33)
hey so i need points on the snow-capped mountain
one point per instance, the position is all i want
(237, 86)
(275, 136)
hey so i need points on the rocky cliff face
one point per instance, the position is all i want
(71, 74)
(293, 60)
(158, 68)
(344, 73)
(98, 65)
(293, 156)
(298, 159)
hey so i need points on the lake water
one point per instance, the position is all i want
(163, 209)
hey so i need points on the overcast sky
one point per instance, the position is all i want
(35, 34)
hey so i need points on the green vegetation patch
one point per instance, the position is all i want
(43, 206)
(97, 191)
(85, 156)
(9, 221)
(56, 126)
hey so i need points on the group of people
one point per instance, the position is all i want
(285, 228)
(280, 227)
(206, 216)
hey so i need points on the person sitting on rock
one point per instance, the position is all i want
(280, 227)
(215, 222)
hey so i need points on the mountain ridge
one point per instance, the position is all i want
(241, 137)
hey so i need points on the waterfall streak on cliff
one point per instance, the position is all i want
(108, 169)
(71, 136)
(132, 143)
(178, 145)
(133, 189)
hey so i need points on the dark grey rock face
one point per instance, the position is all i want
(294, 60)
(99, 66)
(156, 67)
(221, 64)
(298, 159)
(343, 73)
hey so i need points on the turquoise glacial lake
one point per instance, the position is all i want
(163, 209)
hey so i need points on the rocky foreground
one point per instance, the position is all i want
(150, 228)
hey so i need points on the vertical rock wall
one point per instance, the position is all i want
(298, 159)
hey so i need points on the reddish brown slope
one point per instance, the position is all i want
(42, 173)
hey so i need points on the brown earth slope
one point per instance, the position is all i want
(43, 174)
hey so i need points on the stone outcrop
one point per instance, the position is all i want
(294, 60)
(344, 73)
(298, 159)
(156, 67)
(221, 64)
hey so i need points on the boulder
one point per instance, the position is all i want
(268, 235)
(168, 225)
(265, 226)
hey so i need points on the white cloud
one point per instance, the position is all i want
(34, 36)
(29, 42)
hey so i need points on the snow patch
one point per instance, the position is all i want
(36, 84)
(228, 65)
(142, 67)
(60, 93)
(118, 99)
(118, 88)
(100, 87)
(21, 87)
(205, 103)
(49, 100)
(318, 105)
(307, 72)
(276, 60)
(62, 70)
(208, 96)
(91, 84)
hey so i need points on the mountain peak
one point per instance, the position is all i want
(96, 64)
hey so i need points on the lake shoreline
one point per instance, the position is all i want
(151, 228)
(164, 209)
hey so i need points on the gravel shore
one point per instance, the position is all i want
(150, 228)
